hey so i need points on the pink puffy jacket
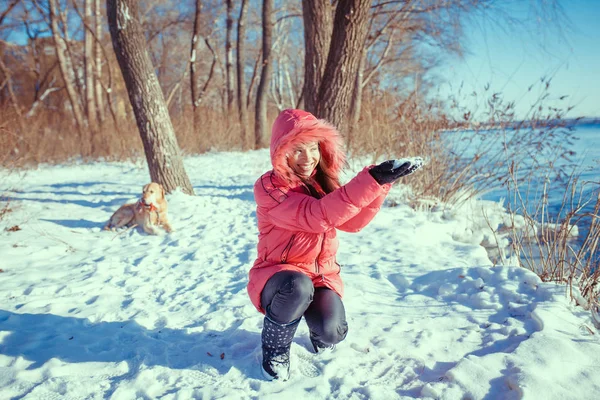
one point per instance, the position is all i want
(296, 231)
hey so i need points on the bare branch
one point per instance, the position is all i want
(381, 60)
(46, 93)
(10, 7)
(153, 34)
(176, 86)
(254, 76)
(278, 20)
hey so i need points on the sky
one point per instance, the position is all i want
(513, 57)
(93, 314)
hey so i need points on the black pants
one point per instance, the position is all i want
(289, 295)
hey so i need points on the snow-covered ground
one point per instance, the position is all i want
(90, 314)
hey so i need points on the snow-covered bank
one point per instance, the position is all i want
(91, 314)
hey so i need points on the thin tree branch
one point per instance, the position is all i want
(10, 7)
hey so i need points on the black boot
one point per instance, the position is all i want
(276, 343)
(319, 346)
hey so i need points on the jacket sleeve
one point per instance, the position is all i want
(299, 212)
(366, 215)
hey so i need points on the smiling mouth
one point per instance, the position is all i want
(306, 168)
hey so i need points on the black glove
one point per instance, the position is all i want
(386, 173)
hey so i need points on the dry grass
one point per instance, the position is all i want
(51, 137)
(6, 135)
(543, 238)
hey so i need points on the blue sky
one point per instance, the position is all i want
(512, 58)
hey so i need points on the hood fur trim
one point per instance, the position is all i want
(297, 126)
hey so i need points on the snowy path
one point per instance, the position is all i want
(91, 314)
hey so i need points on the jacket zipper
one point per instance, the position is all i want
(318, 254)
(287, 249)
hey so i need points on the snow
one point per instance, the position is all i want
(412, 160)
(93, 314)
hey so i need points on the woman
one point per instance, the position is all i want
(300, 204)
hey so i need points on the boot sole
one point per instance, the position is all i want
(270, 378)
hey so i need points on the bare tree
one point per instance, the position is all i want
(156, 130)
(350, 28)
(98, 62)
(361, 80)
(254, 76)
(66, 68)
(260, 120)
(241, 81)
(283, 92)
(230, 76)
(194, 75)
(88, 59)
(197, 40)
(318, 26)
(100, 54)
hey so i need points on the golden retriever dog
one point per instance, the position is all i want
(149, 212)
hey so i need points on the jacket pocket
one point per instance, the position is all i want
(286, 250)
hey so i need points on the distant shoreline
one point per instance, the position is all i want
(566, 122)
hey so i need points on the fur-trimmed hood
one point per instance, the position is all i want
(297, 126)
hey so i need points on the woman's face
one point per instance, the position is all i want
(304, 158)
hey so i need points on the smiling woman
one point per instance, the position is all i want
(300, 204)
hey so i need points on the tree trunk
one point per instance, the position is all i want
(254, 76)
(260, 120)
(66, 68)
(337, 87)
(88, 60)
(230, 77)
(356, 102)
(241, 81)
(318, 26)
(90, 103)
(197, 92)
(156, 130)
(98, 62)
(194, 78)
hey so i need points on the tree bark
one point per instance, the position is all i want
(349, 35)
(241, 81)
(90, 99)
(318, 26)
(197, 92)
(66, 68)
(194, 78)
(98, 62)
(254, 77)
(230, 76)
(260, 120)
(156, 130)
(356, 101)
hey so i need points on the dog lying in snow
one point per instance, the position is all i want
(149, 212)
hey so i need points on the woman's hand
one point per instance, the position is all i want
(391, 170)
